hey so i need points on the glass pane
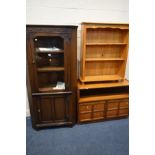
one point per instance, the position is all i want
(45, 44)
(50, 59)
(51, 81)
(49, 53)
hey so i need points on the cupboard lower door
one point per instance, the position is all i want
(52, 110)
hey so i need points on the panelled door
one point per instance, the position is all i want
(52, 109)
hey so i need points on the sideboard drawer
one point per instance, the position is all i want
(99, 106)
(123, 112)
(85, 117)
(85, 108)
(100, 110)
(98, 115)
(112, 105)
(124, 104)
(112, 113)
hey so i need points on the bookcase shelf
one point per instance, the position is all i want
(106, 44)
(101, 78)
(105, 59)
(49, 89)
(49, 69)
(53, 52)
(104, 52)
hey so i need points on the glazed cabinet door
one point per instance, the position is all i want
(52, 109)
(50, 61)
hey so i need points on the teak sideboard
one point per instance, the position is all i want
(102, 101)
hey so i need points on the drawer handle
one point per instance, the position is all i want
(87, 107)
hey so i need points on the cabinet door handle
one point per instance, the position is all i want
(38, 110)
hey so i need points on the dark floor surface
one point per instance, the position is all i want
(103, 138)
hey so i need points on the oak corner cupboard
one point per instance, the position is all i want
(104, 52)
(51, 74)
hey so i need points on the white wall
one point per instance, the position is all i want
(27, 106)
(73, 12)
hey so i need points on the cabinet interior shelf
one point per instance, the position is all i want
(101, 78)
(54, 52)
(50, 89)
(105, 44)
(52, 93)
(49, 69)
(104, 59)
(103, 97)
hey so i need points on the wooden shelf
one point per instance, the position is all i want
(103, 85)
(104, 52)
(46, 89)
(104, 59)
(103, 97)
(105, 44)
(52, 93)
(101, 78)
(107, 27)
(54, 52)
(49, 69)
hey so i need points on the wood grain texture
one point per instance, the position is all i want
(102, 101)
(49, 69)
(101, 78)
(103, 85)
(104, 97)
(51, 107)
(104, 51)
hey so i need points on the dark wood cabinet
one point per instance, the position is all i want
(51, 74)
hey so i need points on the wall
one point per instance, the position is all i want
(73, 12)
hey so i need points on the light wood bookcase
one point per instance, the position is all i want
(104, 52)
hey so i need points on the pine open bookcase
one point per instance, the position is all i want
(104, 52)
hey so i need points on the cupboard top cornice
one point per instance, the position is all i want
(106, 25)
(50, 28)
(93, 23)
(58, 26)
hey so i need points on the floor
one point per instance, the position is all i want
(102, 138)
